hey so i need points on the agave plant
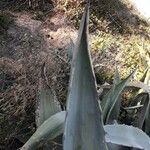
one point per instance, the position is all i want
(83, 121)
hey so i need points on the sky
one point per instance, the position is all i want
(143, 6)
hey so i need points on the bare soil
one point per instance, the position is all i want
(25, 45)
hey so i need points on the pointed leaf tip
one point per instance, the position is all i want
(84, 121)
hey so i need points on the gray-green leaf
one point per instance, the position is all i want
(49, 130)
(141, 114)
(47, 103)
(111, 99)
(84, 126)
(127, 136)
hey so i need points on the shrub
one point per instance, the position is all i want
(84, 127)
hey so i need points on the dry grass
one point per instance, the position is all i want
(120, 36)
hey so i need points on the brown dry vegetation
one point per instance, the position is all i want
(34, 32)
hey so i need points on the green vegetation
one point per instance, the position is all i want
(116, 38)
(86, 118)
(115, 27)
(102, 41)
(134, 52)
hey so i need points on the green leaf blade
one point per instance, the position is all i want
(112, 98)
(141, 114)
(47, 103)
(127, 136)
(84, 127)
(49, 130)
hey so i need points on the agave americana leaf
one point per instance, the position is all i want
(147, 77)
(136, 100)
(144, 75)
(145, 86)
(47, 104)
(112, 146)
(115, 109)
(134, 84)
(117, 76)
(70, 49)
(147, 121)
(127, 136)
(141, 114)
(84, 126)
(109, 101)
(49, 130)
(133, 107)
(139, 85)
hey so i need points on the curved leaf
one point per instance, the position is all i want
(84, 126)
(127, 136)
(140, 85)
(147, 121)
(70, 49)
(116, 147)
(115, 109)
(49, 130)
(47, 103)
(109, 101)
(134, 84)
(141, 114)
